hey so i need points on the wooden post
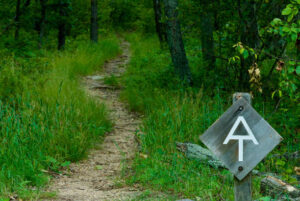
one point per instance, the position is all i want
(242, 189)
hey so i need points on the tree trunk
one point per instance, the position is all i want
(158, 17)
(249, 37)
(19, 12)
(94, 21)
(61, 36)
(17, 19)
(62, 26)
(42, 22)
(175, 41)
(207, 40)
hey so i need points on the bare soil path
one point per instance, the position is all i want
(99, 176)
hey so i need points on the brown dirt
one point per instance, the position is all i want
(99, 176)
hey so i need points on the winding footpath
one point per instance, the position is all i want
(99, 176)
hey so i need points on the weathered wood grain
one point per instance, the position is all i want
(243, 189)
(266, 136)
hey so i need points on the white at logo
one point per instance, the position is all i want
(240, 138)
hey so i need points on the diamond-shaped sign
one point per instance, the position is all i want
(241, 138)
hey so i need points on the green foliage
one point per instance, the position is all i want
(48, 121)
(51, 122)
(172, 114)
(290, 27)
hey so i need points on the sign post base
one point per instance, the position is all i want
(243, 189)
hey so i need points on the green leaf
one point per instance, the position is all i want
(298, 70)
(268, 198)
(280, 163)
(294, 87)
(290, 17)
(245, 54)
(52, 160)
(293, 29)
(295, 11)
(276, 21)
(241, 50)
(286, 11)
(273, 94)
(292, 62)
(286, 29)
(66, 164)
(291, 69)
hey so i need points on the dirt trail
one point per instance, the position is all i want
(97, 177)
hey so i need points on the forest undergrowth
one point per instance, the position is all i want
(47, 121)
(176, 113)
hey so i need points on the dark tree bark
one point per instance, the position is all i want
(249, 28)
(207, 40)
(17, 19)
(61, 36)
(94, 21)
(158, 17)
(62, 25)
(175, 41)
(41, 29)
(19, 12)
(249, 36)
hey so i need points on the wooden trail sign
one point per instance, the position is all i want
(241, 138)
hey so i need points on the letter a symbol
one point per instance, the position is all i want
(240, 138)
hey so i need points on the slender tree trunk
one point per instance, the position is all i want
(158, 23)
(61, 36)
(207, 40)
(249, 36)
(175, 41)
(42, 22)
(63, 10)
(94, 21)
(19, 12)
(17, 16)
(249, 28)
(17, 19)
(62, 26)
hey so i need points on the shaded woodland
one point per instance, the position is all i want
(188, 58)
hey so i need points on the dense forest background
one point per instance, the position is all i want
(189, 57)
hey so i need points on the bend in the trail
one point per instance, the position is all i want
(97, 177)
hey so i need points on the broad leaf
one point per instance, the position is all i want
(286, 11)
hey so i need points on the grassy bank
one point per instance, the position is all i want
(47, 121)
(172, 114)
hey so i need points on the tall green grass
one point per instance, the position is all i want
(173, 114)
(50, 121)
